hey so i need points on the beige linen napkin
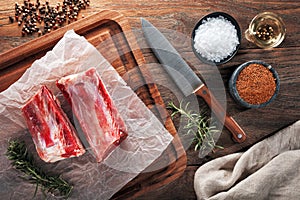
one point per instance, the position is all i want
(268, 170)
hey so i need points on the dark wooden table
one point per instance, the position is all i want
(181, 16)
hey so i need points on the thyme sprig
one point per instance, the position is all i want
(198, 125)
(22, 160)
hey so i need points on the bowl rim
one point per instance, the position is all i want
(233, 90)
(234, 23)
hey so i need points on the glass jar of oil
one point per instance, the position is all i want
(266, 30)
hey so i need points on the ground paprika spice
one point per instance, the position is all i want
(256, 84)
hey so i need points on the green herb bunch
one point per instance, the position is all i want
(23, 161)
(198, 125)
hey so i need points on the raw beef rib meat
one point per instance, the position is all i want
(94, 109)
(52, 132)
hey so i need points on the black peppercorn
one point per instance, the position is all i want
(11, 19)
(53, 17)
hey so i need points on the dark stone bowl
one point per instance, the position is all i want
(233, 90)
(214, 15)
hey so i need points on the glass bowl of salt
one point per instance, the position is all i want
(216, 38)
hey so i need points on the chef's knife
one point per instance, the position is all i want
(168, 56)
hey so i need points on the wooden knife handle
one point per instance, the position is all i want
(237, 132)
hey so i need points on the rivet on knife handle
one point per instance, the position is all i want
(237, 132)
(181, 73)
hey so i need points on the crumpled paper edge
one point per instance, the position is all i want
(144, 144)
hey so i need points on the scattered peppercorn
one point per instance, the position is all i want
(11, 19)
(41, 18)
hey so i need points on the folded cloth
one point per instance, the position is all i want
(268, 170)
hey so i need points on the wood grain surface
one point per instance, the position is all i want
(110, 33)
(181, 16)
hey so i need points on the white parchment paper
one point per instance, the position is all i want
(147, 138)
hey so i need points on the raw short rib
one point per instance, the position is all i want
(52, 132)
(94, 109)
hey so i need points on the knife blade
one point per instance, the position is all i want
(168, 56)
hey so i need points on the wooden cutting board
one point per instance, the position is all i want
(110, 33)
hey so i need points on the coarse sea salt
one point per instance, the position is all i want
(216, 39)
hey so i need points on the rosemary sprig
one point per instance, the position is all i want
(198, 125)
(22, 160)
